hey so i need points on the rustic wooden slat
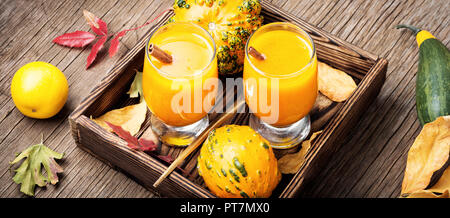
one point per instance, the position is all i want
(108, 93)
(327, 143)
(23, 131)
(370, 162)
(138, 164)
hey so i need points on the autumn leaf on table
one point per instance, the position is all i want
(94, 51)
(142, 144)
(133, 142)
(166, 158)
(76, 39)
(440, 190)
(114, 47)
(130, 118)
(115, 42)
(335, 84)
(80, 39)
(97, 25)
(169, 160)
(428, 194)
(443, 184)
(136, 87)
(291, 163)
(427, 155)
(29, 174)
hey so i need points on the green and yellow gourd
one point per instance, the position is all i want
(433, 77)
(236, 162)
(230, 22)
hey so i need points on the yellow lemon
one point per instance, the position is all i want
(39, 90)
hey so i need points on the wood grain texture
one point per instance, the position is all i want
(369, 72)
(369, 164)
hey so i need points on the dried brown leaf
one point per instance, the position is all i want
(30, 173)
(428, 154)
(440, 190)
(335, 84)
(443, 184)
(322, 104)
(130, 118)
(428, 194)
(291, 163)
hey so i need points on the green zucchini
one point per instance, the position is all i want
(433, 77)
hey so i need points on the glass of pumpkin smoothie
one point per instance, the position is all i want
(280, 83)
(180, 73)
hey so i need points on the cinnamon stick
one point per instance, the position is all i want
(159, 54)
(256, 54)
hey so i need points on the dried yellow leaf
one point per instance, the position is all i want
(136, 87)
(130, 118)
(428, 194)
(335, 84)
(322, 103)
(428, 154)
(440, 190)
(90, 18)
(443, 184)
(291, 163)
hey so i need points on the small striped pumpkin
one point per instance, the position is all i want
(236, 162)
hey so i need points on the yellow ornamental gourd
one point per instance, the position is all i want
(230, 22)
(236, 162)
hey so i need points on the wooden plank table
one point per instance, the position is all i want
(369, 163)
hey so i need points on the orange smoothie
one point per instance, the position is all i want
(175, 92)
(290, 68)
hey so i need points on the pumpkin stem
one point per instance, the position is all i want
(412, 28)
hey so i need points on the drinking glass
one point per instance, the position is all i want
(179, 94)
(281, 89)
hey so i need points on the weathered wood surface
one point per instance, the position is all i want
(370, 162)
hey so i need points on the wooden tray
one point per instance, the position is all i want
(336, 119)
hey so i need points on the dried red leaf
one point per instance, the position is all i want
(169, 159)
(90, 18)
(76, 39)
(142, 145)
(133, 143)
(83, 38)
(115, 43)
(95, 49)
(147, 145)
(97, 25)
(103, 27)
